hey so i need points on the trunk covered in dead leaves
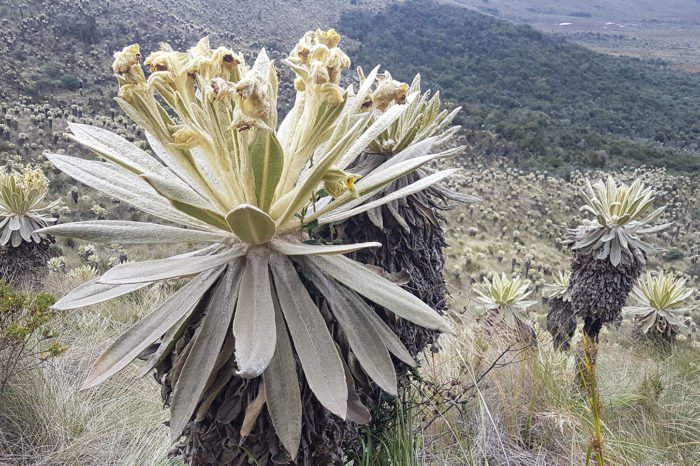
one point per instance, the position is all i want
(26, 262)
(599, 289)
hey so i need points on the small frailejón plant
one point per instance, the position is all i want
(608, 253)
(660, 306)
(227, 175)
(561, 321)
(21, 194)
(504, 300)
(22, 249)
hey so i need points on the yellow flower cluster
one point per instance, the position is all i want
(21, 191)
(318, 63)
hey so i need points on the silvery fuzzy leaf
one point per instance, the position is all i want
(173, 267)
(147, 330)
(412, 188)
(254, 320)
(126, 232)
(377, 127)
(94, 292)
(314, 345)
(130, 188)
(207, 342)
(380, 290)
(116, 149)
(300, 249)
(363, 338)
(175, 190)
(282, 389)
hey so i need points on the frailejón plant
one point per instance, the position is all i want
(660, 305)
(621, 214)
(21, 193)
(507, 297)
(227, 174)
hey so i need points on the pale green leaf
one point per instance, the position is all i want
(251, 224)
(267, 159)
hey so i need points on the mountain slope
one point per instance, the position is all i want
(560, 104)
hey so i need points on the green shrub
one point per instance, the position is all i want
(25, 338)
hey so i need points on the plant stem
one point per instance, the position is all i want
(590, 353)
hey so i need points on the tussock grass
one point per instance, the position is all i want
(46, 420)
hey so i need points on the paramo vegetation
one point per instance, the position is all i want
(266, 233)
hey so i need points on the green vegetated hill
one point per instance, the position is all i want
(555, 105)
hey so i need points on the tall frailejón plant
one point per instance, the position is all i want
(21, 247)
(660, 306)
(409, 229)
(241, 332)
(608, 253)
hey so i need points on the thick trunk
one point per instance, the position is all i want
(599, 289)
(24, 263)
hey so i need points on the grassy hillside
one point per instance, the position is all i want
(560, 105)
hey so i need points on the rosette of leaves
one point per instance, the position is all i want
(245, 322)
(22, 249)
(503, 299)
(660, 306)
(21, 193)
(608, 253)
(561, 321)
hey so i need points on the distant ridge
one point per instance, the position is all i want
(561, 105)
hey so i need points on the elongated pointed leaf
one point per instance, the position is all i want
(380, 290)
(251, 224)
(282, 389)
(313, 342)
(147, 330)
(201, 360)
(412, 188)
(177, 191)
(93, 292)
(389, 338)
(267, 159)
(173, 267)
(125, 232)
(208, 217)
(300, 249)
(363, 338)
(116, 149)
(254, 321)
(368, 186)
(121, 184)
